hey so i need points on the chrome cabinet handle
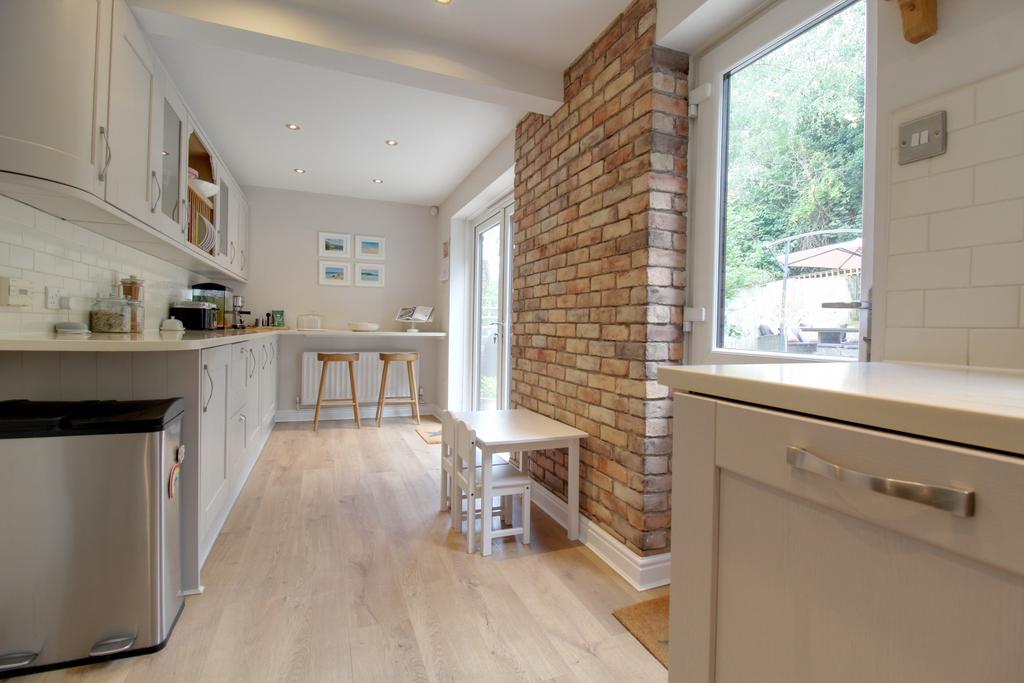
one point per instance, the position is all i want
(243, 259)
(181, 218)
(232, 259)
(253, 356)
(105, 136)
(206, 404)
(16, 660)
(111, 646)
(959, 502)
(245, 430)
(159, 194)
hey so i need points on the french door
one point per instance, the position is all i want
(492, 299)
(778, 253)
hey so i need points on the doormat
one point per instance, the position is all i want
(648, 622)
(431, 433)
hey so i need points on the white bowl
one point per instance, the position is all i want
(364, 327)
(204, 188)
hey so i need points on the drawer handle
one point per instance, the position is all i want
(16, 660)
(112, 646)
(960, 502)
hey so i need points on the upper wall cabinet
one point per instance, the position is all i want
(92, 130)
(54, 66)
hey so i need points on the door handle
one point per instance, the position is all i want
(253, 356)
(206, 404)
(105, 136)
(16, 660)
(112, 646)
(232, 259)
(856, 305)
(959, 502)
(183, 212)
(159, 194)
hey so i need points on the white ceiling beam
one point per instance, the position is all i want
(330, 41)
(691, 26)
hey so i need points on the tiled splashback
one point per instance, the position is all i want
(50, 252)
(955, 291)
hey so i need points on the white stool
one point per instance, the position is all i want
(505, 481)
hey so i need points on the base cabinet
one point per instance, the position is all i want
(213, 466)
(790, 576)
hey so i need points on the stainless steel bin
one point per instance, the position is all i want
(90, 530)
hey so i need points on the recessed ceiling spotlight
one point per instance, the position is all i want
(293, 126)
(378, 181)
(443, 2)
(300, 171)
(391, 143)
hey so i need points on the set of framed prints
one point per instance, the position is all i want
(337, 249)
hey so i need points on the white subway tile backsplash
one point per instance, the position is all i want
(982, 143)
(1000, 95)
(985, 224)
(905, 309)
(972, 307)
(955, 272)
(997, 348)
(50, 252)
(907, 235)
(998, 180)
(934, 193)
(930, 270)
(926, 345)
(998, 264)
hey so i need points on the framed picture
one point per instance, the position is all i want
(369, 248)
(335, 245)
(369, 275)
(335, 273)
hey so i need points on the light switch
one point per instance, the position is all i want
(923, 138)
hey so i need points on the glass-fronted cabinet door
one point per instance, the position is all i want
(169, 205)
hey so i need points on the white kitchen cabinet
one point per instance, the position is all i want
(789, 566)
(54, 66)
(268, 383)
(132, 182)
(214, 490)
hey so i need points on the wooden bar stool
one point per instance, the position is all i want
(325, 359)
(408, 357)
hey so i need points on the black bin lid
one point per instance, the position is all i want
(23, 419)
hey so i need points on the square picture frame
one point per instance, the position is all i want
(370, 248)
(334, 245)
(369, 275)
(335, 273)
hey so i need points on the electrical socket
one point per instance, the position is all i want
(56, 298)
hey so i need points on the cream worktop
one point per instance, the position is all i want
(178, 341)
(974, 406)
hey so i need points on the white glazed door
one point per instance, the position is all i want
(54, 69)
(168, 207)
(213, 467)
(132, 182)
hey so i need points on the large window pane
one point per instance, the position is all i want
(793, 193)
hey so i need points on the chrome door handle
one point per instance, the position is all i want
(959, 502)
(232, 259)
(857, 305)
(253, 356)
(105, 136)
(111, 646)
(16, 660)
(206, 404)
(159, 194)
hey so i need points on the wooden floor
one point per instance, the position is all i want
(335, 565)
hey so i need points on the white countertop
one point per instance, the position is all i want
(177, 341)
(973, 406)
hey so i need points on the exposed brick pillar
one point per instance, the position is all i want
(599, 272)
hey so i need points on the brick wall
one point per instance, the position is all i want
(599, 272)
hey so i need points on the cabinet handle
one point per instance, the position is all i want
(181, 218)
(245, 430)
(17, 660)
(959, 502)
(206, 403)
(232, 244)
(159, 194)
(105, 136)
(243, 259)
(253, 356)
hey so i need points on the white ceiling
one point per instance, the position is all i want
(548, 33)
(244, 100)
(448, 82)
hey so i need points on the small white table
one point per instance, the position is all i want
(510, 431)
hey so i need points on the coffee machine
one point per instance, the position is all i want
(237, 304)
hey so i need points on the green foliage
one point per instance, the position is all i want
(795, 147)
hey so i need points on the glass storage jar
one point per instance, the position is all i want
(110, 314)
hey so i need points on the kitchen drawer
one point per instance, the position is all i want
(753, 443)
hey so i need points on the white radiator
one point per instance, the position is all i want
(368, 371)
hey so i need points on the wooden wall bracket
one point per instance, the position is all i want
(920, 19)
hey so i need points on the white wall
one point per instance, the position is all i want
(48, 251)
(283, 275)
(488, 182)
(949, 231)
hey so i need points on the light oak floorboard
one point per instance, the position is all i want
(336, 565)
